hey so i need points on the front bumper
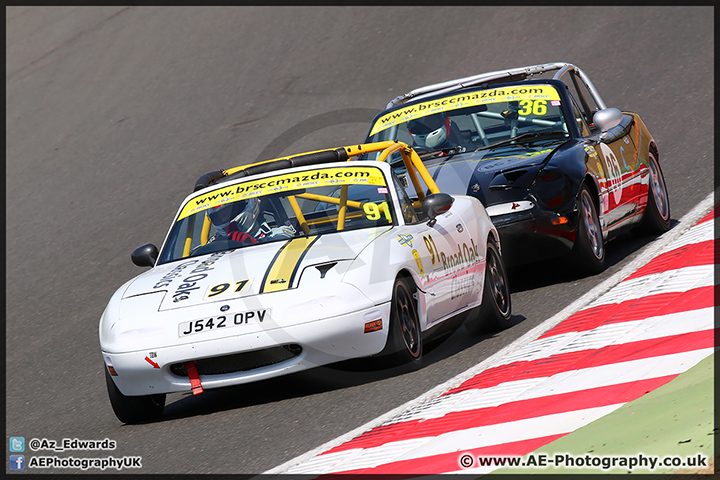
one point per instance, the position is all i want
(535, 234)
(311, 344)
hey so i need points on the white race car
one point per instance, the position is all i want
(294, 263)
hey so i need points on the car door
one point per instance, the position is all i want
(448, 255)
(613, 159)
(453, 264)
(623, 178)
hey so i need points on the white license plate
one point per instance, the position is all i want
(222, 321)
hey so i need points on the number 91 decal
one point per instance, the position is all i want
(375, 211)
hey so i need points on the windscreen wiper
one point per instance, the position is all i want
(524, 137)
(446, 151)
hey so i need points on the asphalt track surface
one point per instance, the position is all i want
(113, 112)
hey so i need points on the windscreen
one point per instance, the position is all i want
(475, 119)
(280, 207)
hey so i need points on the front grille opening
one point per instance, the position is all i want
(240, 362)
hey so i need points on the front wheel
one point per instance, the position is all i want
(405, 336)
(588, 253)
(133, 409)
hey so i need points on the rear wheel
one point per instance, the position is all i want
(588, 253)
(496, 308)
(656, 218)
(133, 409)
(405, 336)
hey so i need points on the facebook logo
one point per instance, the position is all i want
(17, 462)
(17, 444)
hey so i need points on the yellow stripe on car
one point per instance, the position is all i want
(284, 266)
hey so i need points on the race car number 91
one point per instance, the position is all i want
(221, 321)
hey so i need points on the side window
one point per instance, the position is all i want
(582, 98)
(408, 212)
(580, 120)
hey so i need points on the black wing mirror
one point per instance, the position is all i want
(145, 256)
(436, 204)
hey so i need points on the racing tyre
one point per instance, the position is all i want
(133, 409)
(405, 336)
(588, 253)
(496, 307)
(656, 218)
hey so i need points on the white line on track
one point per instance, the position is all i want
(557, 384)
(614, 333)
(647, 254)
(679, 280)
(471, 438)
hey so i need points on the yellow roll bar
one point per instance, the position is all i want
(326, 199)
(412, 161)
(414, 166)
(343, 207)
(298, 214)
(188, 239)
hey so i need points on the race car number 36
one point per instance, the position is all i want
(222, 321)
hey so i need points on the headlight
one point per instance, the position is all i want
(552, 188)
(130, 318)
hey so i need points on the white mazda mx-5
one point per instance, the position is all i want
(294, 263)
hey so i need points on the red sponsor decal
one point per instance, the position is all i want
(373, 326)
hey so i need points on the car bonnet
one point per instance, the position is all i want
(254, 270)
(458, 173)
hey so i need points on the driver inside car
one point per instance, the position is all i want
(434, 132)
(239, 221)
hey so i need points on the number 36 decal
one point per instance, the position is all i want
(537, 107)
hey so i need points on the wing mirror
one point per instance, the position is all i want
(145, 256)
(436, 204)
(607, 118)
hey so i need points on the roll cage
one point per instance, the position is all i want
(502, 76)
(414, 165)
(415, 168)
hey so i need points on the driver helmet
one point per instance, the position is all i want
(431, 131)
(243, 212)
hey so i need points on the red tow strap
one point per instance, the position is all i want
(194, 378)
